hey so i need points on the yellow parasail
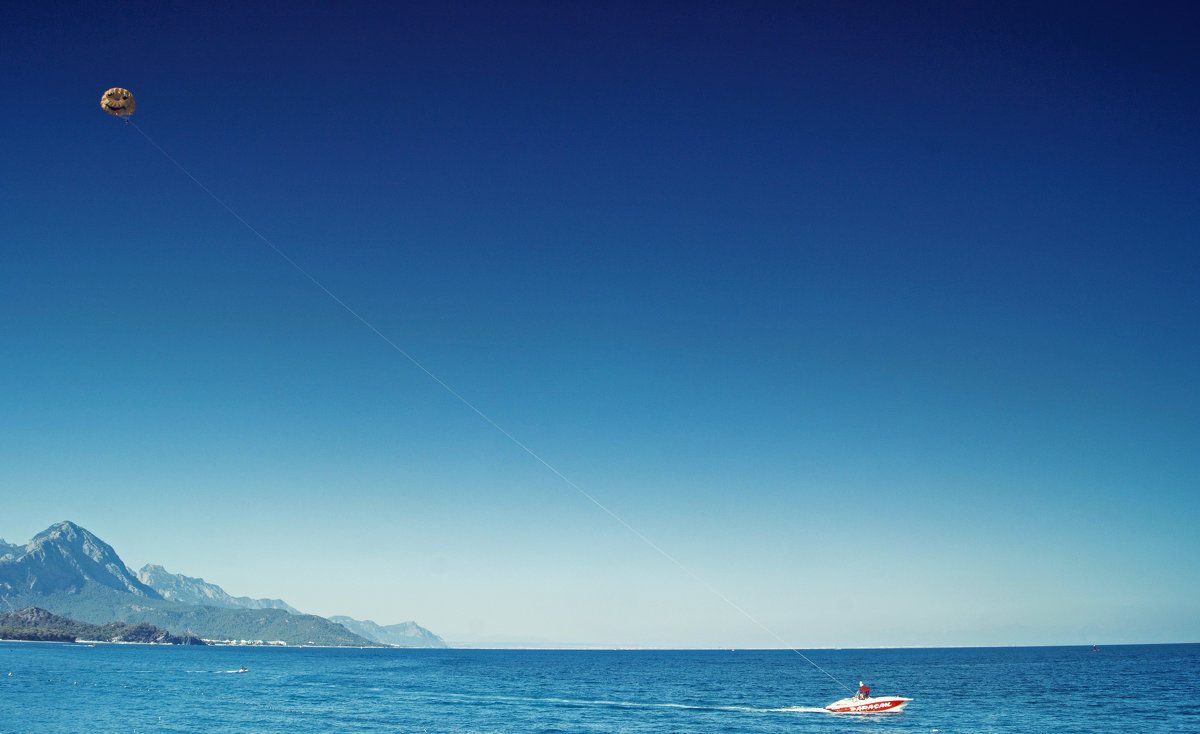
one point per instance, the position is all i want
(117, 101)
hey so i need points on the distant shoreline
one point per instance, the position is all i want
(211, 643)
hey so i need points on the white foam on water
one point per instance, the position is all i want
(622, 704)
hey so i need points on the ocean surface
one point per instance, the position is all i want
(46, 687)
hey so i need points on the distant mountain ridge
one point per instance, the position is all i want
(189, 590)
(404, 634)
(68, 571)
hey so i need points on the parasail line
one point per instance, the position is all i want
(398, 349)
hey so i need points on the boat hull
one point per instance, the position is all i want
(880, 705)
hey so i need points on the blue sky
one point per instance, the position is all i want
(880, 320)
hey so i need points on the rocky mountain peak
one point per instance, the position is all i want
(65, 556)
(67, 534)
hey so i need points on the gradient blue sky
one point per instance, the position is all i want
(879, 317)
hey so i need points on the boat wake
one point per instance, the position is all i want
(581, 702)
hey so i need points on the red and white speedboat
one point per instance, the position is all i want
(870, 705)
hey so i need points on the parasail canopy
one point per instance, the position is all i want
(117, 101)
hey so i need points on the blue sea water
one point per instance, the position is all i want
(48, 687)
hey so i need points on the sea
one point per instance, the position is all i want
(49, 687)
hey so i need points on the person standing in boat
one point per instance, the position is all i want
(863, 691)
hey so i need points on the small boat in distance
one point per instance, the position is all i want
(863, 703)
(878, 705)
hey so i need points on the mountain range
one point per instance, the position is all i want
(405, 634)
(68, 571)
(188, 590)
